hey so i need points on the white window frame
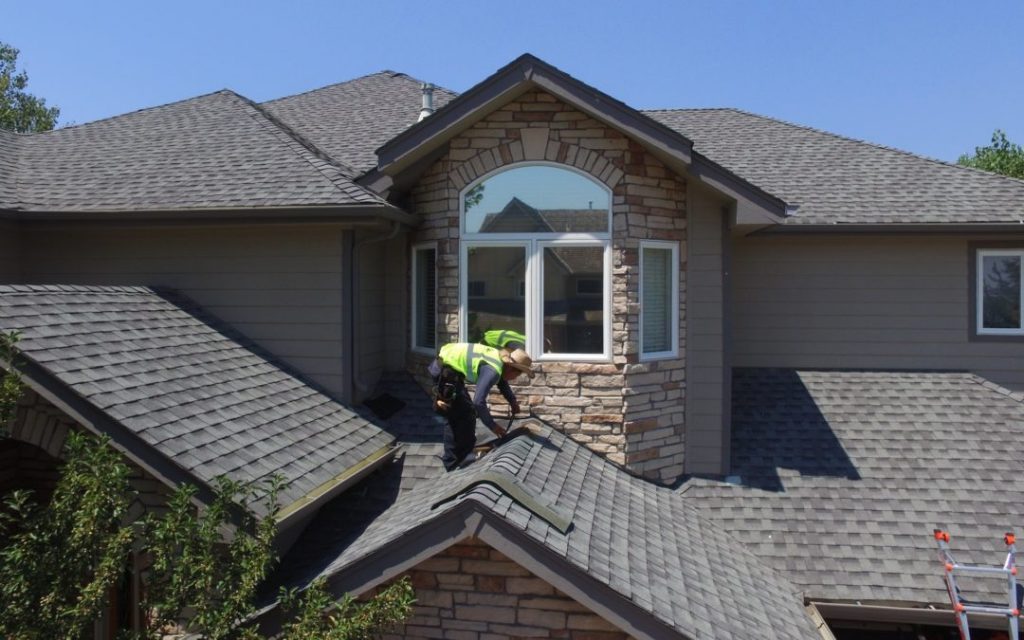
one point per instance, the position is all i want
(422, 246)
(672, 247)
(979, 287)
(534, 244)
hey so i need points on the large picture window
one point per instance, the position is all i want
(659, 299)
(424, 298)
(999, 294)
(536, 258)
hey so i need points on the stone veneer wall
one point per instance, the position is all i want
(471, 591)
(38, 422)
(630, 411)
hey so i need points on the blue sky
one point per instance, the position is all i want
(933, 77)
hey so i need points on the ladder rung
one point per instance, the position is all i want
(966, 568)
(975, 608)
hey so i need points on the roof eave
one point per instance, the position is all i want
(522, 74)
(354, 213)
(959, 228)
(855, 612)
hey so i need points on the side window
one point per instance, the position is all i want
(424, 298)
(999, 294)
(659, 300)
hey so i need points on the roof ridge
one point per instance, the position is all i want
(383, 72)
(129, 113)
(342, 173)
(876, 145)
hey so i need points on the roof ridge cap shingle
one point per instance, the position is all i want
(383, 72)
(876, 145)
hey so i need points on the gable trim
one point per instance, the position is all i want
(522, 74)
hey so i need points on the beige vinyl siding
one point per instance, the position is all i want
(379, 307)
(898, 302)
(397, 297)
(10, 253)
(706, 422)
(279, 285)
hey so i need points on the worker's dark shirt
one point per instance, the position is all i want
(486, 376)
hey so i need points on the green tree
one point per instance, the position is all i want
(10, 380)
(21, 111)
(1002, 156)
(59, 561)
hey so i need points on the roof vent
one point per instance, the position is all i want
(428, 100)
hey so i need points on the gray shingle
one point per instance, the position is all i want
(846, 474)
(645, 542)
(214, 151)
(197, 393)
(350, 120)
(837, 180)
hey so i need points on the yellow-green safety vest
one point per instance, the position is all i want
(501, 337)
(466, 358)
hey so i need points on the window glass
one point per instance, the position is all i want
(573, 321)
(495, 301)
(536, 199)
(425, 298)
(656, 304)
(1001, 291)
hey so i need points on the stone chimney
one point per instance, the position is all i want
(428, 100)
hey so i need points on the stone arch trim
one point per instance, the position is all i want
(39, 423)
(537, 144)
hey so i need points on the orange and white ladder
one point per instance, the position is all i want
(962, 607)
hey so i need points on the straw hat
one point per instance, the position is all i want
(518, 359)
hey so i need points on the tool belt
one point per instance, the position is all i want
(447, 387)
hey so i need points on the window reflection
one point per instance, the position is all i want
(537, 199)
(495, 290)
(573, 300)
(1001, 305)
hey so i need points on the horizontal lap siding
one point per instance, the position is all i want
(861, 302)
(280, 286)
(705, 365)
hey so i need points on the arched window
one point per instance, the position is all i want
(536, 258)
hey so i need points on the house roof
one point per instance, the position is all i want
(833, 180)
(845, 474)
(217, 151)
(183, 395)
(642, 552)
(350, 120)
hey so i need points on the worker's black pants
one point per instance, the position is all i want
(460, 432)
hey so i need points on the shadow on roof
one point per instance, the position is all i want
(777, 424)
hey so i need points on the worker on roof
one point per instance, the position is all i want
(504, 339)
(461, 362)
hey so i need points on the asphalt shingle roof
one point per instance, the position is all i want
(350, 120)
(645, 542)
(202, 397)
(214, 151)
(844, 475)
(837, 180)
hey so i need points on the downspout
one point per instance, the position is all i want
(360, 386)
